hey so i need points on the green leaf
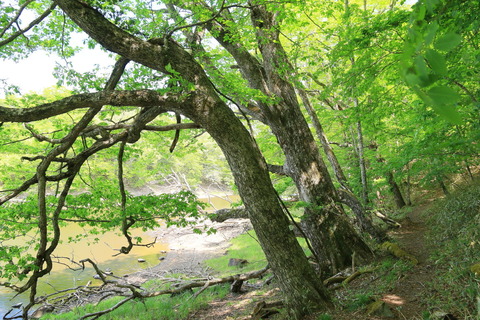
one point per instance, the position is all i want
(448, 41)
(421, 13)
(443, 95)
(437, 62)
(412, 79)
(431, 32)
(443, 100)
(448, 112)
(421, 66)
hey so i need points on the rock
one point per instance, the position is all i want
(141, 260)
(234, 262)
(236, 286)
(161, 258)
(40, 312)
(379, 308)
(17, 305)
(163, 251)
(96, 276)
(224, 214)
(476, 269)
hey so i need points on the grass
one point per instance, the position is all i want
(157, 308)
(455, 235)
(246, 247)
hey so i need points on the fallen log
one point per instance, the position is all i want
(387, 220)
(179, 288)
(224, 214)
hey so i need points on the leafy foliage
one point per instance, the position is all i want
(455, 235)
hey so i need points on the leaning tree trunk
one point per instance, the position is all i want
(302, 289)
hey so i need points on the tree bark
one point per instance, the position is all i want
(361, 161)
(333, 238)
(301, 287)
(346, 196)
(324, 217)
(395, 189)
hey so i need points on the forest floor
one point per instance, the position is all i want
(405, 298)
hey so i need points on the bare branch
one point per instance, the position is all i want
(17, 16)
(31, 25)
(96, 315)
(137, 98)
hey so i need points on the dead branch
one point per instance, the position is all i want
(96, 315)
(118, 287)
(387, 220)
(345, 279)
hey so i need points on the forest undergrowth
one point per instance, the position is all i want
(442, 235)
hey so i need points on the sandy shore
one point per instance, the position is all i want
(187, 249)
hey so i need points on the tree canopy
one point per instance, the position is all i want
(387, 91)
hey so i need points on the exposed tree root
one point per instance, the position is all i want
(346, 279)
(398, 252)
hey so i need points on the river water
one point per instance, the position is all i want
(101, 252)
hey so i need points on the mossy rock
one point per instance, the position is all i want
(476, 269)
(398, 252)
(379, 308)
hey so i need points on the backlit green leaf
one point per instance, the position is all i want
(443, 95)
(437, 62)
(448, 41)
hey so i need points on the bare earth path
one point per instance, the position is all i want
(410, 292)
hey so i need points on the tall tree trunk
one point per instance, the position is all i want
(332, 236)
(361, 161)
(328, 227)
(397, 194)
(302, 289)
(346, 196)
(443, 186)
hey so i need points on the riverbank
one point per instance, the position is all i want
(187, 250)
(186, 253)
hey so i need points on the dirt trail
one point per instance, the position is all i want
(408, 296)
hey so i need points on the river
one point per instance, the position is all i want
(102, 252)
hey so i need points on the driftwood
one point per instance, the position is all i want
(178, 288)
(196, 284)
(240, 213)
(224, 214)
(118, 286)
(387, 220)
